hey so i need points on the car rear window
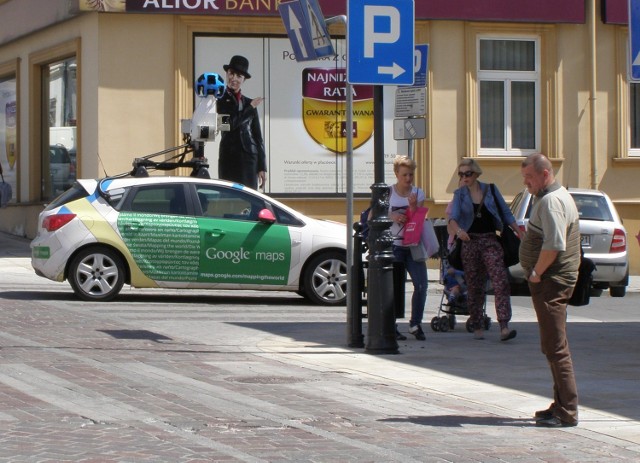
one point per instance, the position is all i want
(75, 192)
(591, 207)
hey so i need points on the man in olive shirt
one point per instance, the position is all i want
(550, 256)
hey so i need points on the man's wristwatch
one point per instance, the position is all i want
(534, 274)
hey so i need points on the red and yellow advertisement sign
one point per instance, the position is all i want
(324, 109)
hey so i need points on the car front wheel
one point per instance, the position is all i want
(96, 274)
(325, 279)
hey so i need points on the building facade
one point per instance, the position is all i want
(86, 86)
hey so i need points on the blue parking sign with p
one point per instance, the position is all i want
(634, 40)
(380, 42)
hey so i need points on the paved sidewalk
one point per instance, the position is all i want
(163, 375)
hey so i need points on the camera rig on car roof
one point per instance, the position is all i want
(203, 126)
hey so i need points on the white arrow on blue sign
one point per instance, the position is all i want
(380, 42)
(306, 29)
(634, 40)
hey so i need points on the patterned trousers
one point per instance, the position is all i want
(482, 256)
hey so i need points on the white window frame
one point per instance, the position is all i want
(508, 77)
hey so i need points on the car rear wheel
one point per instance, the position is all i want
(96, 274)
(325, 279)
(617, 291)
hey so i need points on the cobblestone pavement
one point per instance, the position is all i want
(167, 376)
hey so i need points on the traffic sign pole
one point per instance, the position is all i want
(380, 51)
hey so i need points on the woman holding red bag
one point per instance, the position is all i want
(404, 199)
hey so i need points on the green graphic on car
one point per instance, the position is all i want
(185, 248)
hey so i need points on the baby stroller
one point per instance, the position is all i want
(454, 298)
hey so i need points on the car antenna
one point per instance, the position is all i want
(102, 164)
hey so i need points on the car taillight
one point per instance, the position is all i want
(618, 242)
(53, 222)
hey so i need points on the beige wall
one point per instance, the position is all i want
(136, 91)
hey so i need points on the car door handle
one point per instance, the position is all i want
(215, 233)
(134, 226)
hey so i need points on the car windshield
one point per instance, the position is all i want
(591, 207)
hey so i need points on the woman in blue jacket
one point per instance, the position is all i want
(474, 219)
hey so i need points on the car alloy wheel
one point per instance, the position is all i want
(325, 280)
(96, 274)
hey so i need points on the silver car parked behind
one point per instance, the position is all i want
(603, 237)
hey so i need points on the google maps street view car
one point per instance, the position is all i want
(185, 232)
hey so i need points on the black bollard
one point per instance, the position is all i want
(381, 332)
(356, 283)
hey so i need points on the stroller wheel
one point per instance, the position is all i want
(487, 323)
(469, 325)
(444, 324)
(435, 323)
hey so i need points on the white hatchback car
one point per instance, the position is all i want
(186, 232)
(604, 238)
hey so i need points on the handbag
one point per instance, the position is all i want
(510, 246)
(582, 290)
(419, 252)
(455, 254)
(429, 239)
(414, 226)
(509, 240)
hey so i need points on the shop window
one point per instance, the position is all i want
(59, 97)
(8, 132)
(508, 96)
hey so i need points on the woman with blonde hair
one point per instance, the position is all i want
(476, 214)
(404, 199)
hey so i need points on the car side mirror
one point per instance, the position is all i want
(266, 216)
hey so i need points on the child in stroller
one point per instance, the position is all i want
(455, 287)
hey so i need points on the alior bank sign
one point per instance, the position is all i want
(544, 11)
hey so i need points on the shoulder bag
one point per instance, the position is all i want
(582, 290)
(509, 240)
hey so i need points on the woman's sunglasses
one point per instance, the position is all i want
(466, 174)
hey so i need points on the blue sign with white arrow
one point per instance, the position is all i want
(380, 42)
(306, 29)
(634, 40)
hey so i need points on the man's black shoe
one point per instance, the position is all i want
(544, 414)
(555, 422)
(400, 336)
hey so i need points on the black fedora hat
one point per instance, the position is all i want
(239, 64)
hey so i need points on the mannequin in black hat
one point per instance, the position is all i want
(242, 157)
